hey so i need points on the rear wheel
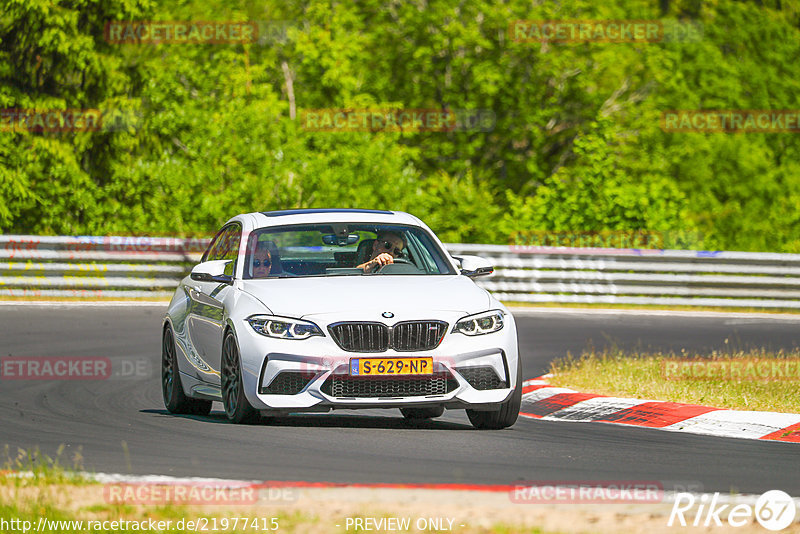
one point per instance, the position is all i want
(506, 415)
(237, 407)
(175, 400)
(422, 413)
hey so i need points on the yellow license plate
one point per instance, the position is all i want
(390, 366)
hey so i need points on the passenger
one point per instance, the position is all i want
(387, 247)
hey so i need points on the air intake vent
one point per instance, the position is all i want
(482, 378)
(409, 386)
(288, 383)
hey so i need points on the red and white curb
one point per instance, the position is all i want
(540, 400)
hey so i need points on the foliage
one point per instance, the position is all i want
(211, 130)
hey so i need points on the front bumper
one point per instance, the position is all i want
(469, 372)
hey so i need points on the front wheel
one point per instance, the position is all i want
(237, 408)
(175, 400)
(503, 417)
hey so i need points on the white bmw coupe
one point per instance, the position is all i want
(311, 310)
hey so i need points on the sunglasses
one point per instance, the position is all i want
(265, 263)
(393, 249)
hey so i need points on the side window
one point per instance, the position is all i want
(209, 253)
(232, 248)
(226, 246)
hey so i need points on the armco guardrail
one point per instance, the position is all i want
(640, 276)
(117, 267)
(91, 266)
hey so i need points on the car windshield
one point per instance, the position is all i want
(342, 249)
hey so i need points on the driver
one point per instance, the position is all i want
(387, 247)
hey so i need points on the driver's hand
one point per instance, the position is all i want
(380, 260)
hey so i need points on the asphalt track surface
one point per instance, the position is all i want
(119, 425)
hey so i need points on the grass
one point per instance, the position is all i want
(643, 375)
(34, 485)
(29, 482)
(41, 469)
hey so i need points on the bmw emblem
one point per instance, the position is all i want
(387, 315)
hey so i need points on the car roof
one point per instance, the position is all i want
(299, 211)
(333, 215)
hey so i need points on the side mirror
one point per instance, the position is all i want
(473, 266)
(212, 271)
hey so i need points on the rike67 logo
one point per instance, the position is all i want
(774, 510)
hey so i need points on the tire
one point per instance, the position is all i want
(422, 413)
(175, 400)
(506, 415)
(237, 407)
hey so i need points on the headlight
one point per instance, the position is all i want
(283, 327)
(480, 323)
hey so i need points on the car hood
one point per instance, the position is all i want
(299, 297)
